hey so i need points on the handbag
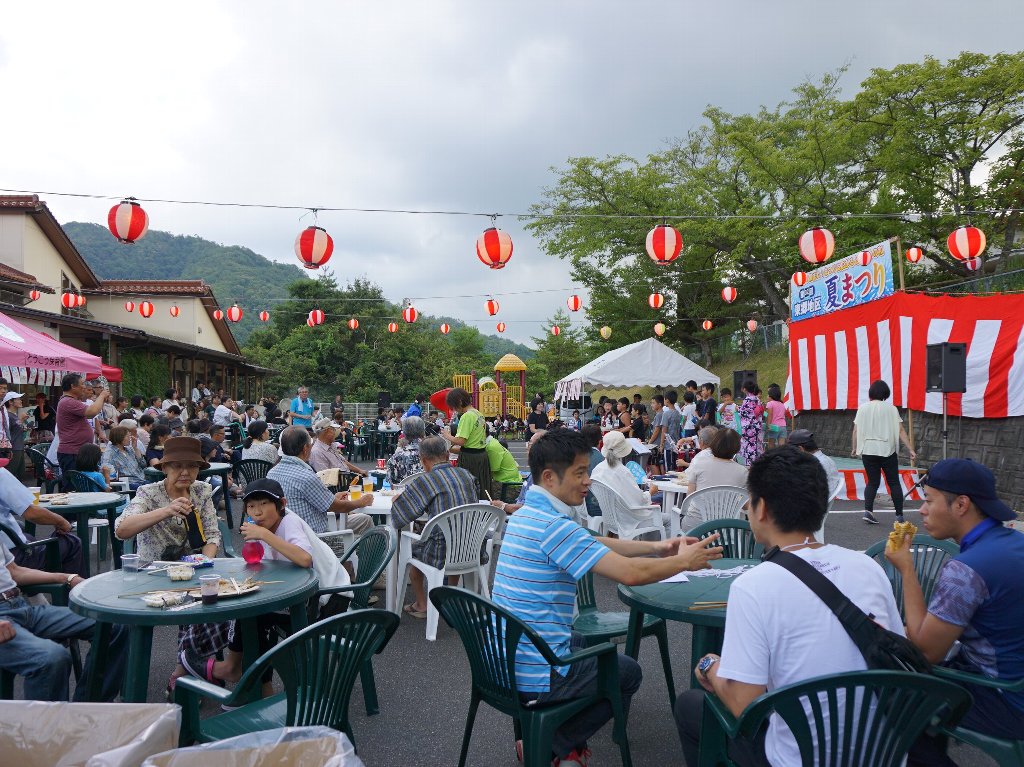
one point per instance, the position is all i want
(882, 649)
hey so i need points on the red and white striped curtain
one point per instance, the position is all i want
(834, 358)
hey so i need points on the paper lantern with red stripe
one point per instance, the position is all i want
(129, 306)
(218, 315)
(707, 324)
(79, 300)
(69, 300)
(664, 243)
(127, 221)
(491, 306)
(445, 328)
(751, 325)
(816, 245)
(34, 295)
(409, 314)
(555, 330)
(574, 302)
(606, 332)
(500, 327)
(353, 324)
(656, 300)
(392, 327)
(659, 329)
(235, 313)
(146, 309)
(175, 311)
(318, 316)
(314, 247)
(914, 255)
(309, 321)
(966, 242)
(865, 258)
(264, 315)
(494, 248)
(799, 279)
(729, 294)
(973, 264)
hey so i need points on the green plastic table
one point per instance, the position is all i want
(221, 470)
(80, 508)
(672, 601)
(100, 598)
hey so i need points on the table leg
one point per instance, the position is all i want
(82, 528)
(116, 544)
(636, 626)
(93, 672)
(391, 594)
(227, 500)
(136, 674)
(705, 639)
(300, 616)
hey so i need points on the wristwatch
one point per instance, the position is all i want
(706, 663)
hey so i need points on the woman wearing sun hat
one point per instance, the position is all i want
(613, 472)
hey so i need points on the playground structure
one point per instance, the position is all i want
(493, 396)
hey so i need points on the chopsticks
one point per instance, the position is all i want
(708, 605)
(488, 496)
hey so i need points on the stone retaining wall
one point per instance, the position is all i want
(996, 442)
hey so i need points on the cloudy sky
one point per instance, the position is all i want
(461, 105)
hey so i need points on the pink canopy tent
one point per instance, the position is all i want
(30, 357)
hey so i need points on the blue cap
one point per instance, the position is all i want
(977, 482)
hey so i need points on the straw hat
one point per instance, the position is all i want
(183, 450)
(615, 443)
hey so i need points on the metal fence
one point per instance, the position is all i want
(742, 342)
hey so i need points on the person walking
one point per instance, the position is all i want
(877, 432)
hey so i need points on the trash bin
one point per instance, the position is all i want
(281, 747)
(37, 734)
(378, 479)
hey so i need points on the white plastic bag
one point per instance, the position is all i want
(281, 747)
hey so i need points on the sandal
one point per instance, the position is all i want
(199, 667)
(414, 613)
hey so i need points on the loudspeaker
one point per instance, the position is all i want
(739, 377)
(384, 399)
(946, 368)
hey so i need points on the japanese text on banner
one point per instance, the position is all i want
(844, 283)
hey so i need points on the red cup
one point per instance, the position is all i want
(455, 461)
(381, 463)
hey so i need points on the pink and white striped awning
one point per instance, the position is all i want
(30, 357)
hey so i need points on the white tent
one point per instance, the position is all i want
(645, 363)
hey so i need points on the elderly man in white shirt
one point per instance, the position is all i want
(613, 472)
(804, 439)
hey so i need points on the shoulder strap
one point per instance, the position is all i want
(850, 616)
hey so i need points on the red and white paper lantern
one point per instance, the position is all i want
(309, 321)
(606, 332)
(707, 324)
(146, 309)
(409, 314)
(966, 242)
(392, 327)
(34, 295)
(218, 314)
(353, 324)
(314, 247)
(264, 315)
(799, 279)
(574, 302)
(127, 221)
(129, 306)
(865, 258)
(728, 294)
(659, 329)
(751, 325)
(69, 300)
(491, 306)
(500, 327)
(235, 313)
(973, 264)
(555, 330)
(317, 316)
(816, 245)
(175, 311)
(656, 300)
(494, 248)
(79, 300)
(445, 328)
(664, 243)
(914, 255)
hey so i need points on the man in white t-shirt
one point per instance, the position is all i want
(804, 439)
(777, 631)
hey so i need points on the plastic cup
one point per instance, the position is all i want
(36, 491)
(129, 566)
(355, 492)
(381, 463)
(209, 588)
(367, 484)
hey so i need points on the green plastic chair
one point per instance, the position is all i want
(906, 705)
(1006, 753)
(929, 556)
(250, 469)
(491, 636)
(735, 537)
(37, 455)
(318, 667)
(225, 538)
(597, 626)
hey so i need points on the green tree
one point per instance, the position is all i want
(557, 356)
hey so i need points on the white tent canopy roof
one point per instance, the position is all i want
(645, 363)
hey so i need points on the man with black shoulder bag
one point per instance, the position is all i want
(778, 630)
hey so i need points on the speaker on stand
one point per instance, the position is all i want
(739, 377)
(946, 372)
(384, 399)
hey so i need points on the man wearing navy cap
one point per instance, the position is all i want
(977, 598)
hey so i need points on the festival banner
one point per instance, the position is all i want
(844, 283)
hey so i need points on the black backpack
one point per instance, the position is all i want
(882, 649)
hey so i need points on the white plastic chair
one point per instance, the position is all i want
(717, 502)
(465, 530)
(819, 536)
(337, 528)
(620, 518)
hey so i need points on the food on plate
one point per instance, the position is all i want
(180, 572)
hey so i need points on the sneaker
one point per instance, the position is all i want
(900, 519)
(870, 518)
(575, 758)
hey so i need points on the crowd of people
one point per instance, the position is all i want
(777, 632)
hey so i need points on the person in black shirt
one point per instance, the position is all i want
(637, 427)
(538, 419)
(46, 419)
(706, 406)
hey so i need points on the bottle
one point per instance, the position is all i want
(252, 551)
(387, 484)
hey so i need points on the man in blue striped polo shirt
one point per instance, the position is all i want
(544, 552)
